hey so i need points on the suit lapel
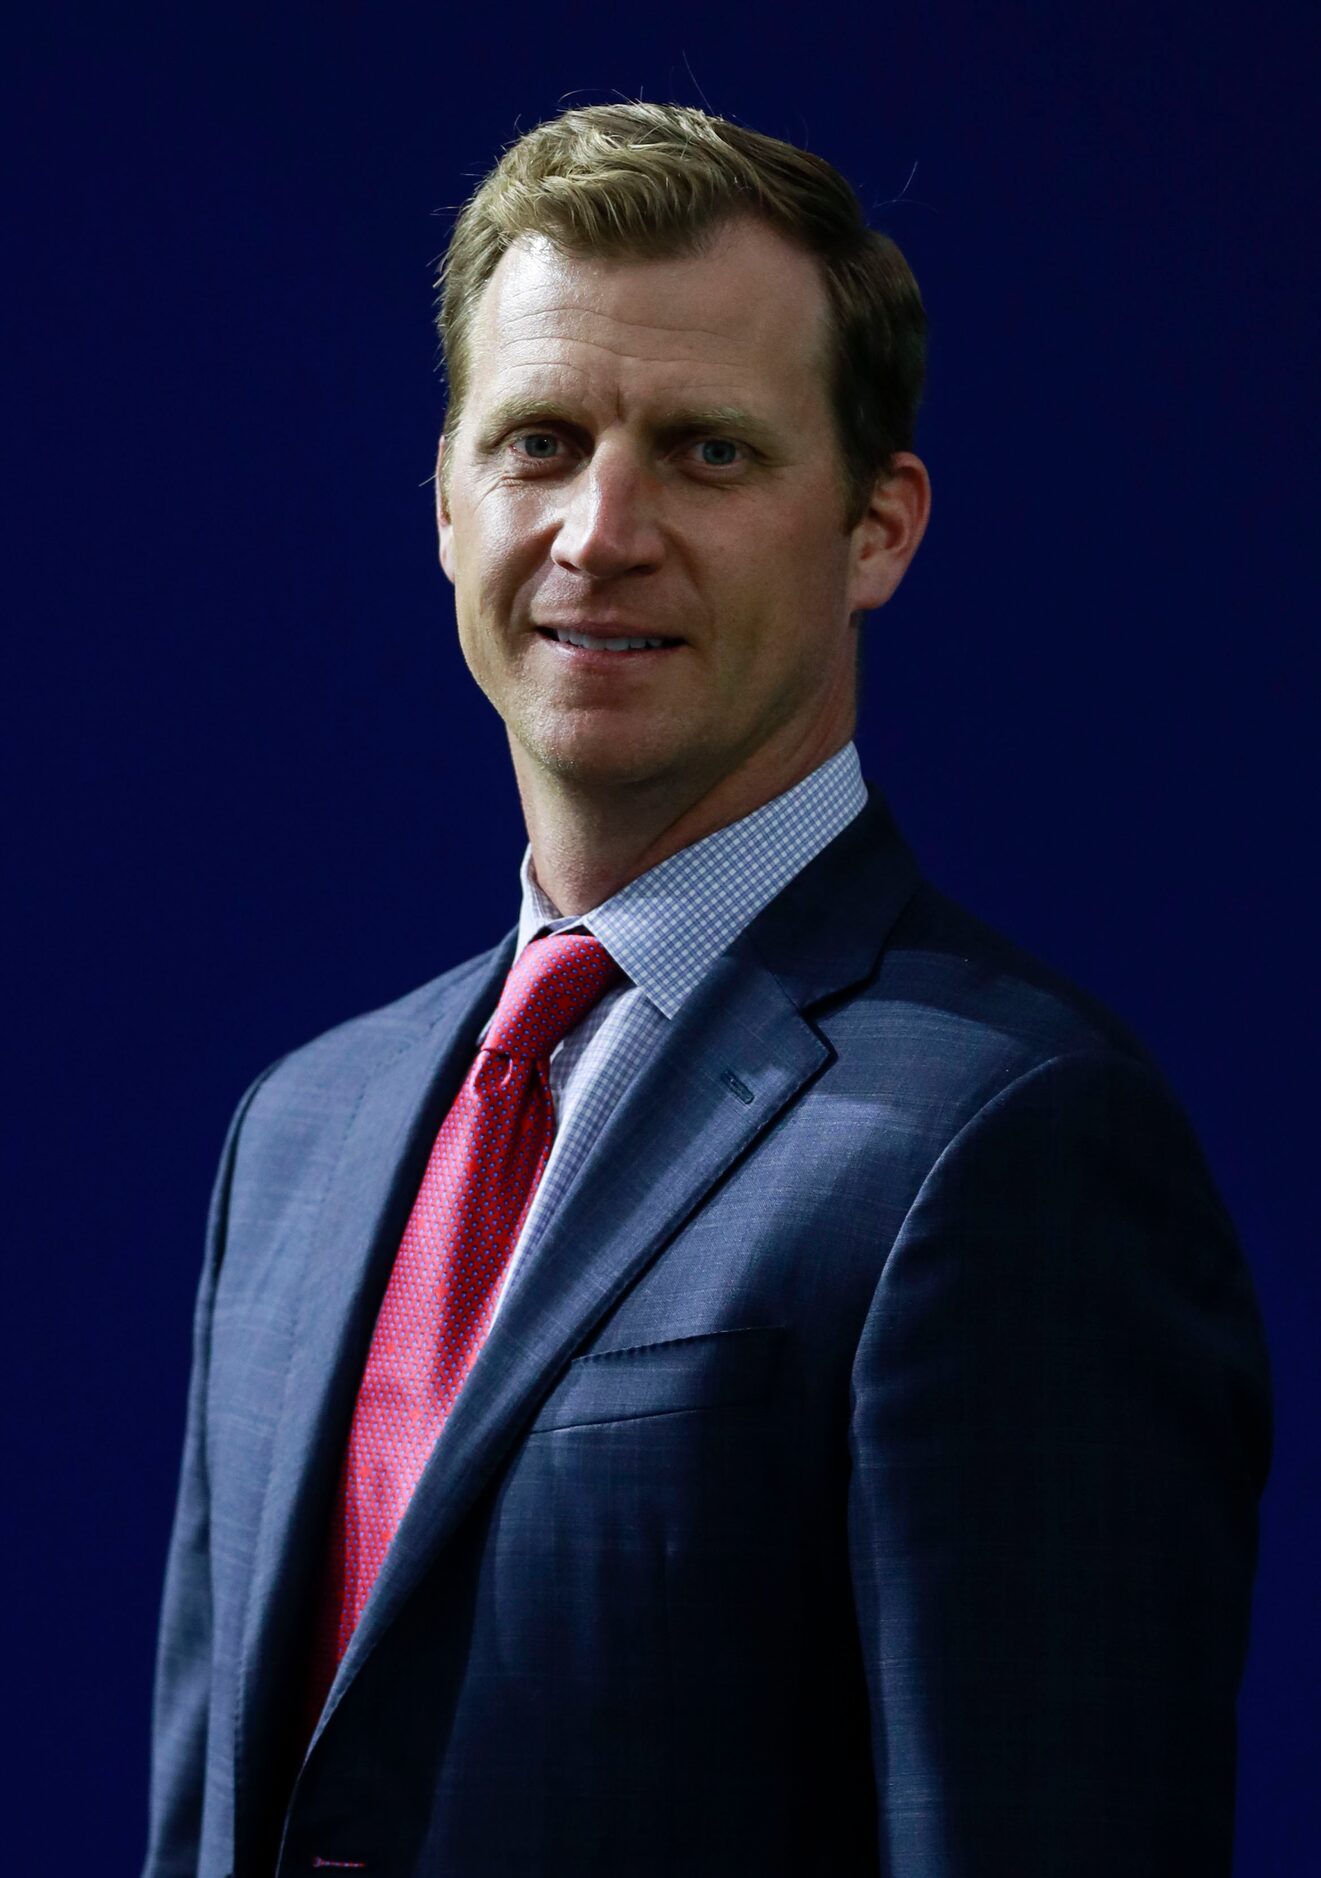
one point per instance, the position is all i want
(737, 1054)
(348, 1257)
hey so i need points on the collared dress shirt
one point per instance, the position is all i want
(666, 929)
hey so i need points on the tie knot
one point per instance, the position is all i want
(552, 986)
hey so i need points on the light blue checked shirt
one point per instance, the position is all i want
(666, 929)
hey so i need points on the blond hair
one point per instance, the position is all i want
(649, 181)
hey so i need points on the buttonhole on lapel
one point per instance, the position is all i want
(739, 1088)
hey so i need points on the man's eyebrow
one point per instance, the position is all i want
(676, 421)
(723, 418)
(511, 412)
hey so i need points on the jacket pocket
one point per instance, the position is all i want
(711, 1371)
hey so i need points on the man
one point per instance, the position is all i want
(752, 1375)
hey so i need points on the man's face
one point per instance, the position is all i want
(646, 451)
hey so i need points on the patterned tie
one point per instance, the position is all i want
(484, 1168)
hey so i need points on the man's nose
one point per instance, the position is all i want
(610, 524)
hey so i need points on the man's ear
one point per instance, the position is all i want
(887, 537)
(444, 526)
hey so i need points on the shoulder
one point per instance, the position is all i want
(958, 1026)
(966, 1008)
(1054, 1174)
(928, 1010)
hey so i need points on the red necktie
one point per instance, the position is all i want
(484, 1167)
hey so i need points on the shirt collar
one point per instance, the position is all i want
(669, 926)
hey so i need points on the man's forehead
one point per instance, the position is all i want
(748, 308)
(732, 262)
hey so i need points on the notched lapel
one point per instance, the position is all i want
(347, 1262)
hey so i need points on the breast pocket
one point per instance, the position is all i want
(717, 1370)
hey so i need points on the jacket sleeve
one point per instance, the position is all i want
(1060, 1430)
(183, 1654)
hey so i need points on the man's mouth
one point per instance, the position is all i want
(602, 642)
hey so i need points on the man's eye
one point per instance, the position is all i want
(537, 445)
(719, 452)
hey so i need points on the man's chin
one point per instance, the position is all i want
(598, 765)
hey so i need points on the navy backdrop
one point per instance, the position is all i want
(255, 792)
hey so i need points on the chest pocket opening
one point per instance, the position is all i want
(711, 1371)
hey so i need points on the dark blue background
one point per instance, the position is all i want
(255, 792)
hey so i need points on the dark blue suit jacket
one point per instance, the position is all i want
(861, 1479)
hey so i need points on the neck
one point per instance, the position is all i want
(589, 842)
